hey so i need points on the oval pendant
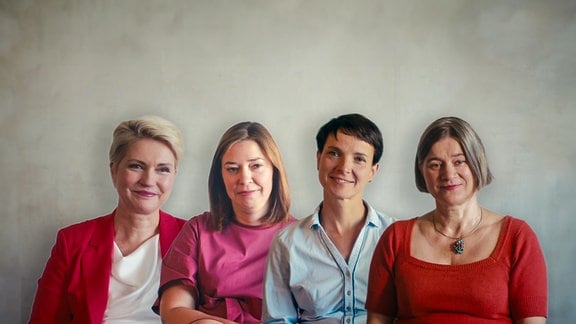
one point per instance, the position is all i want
(458, 246)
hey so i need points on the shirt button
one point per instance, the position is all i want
(348, 308)
(348, 293)
(347, 320)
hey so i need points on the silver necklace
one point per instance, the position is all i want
(458, 245)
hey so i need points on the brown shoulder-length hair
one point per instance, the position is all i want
(468, 139)
(220, 204)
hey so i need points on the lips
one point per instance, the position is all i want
(450, 187)
(246, 192)
(340, 180)
(145, 193)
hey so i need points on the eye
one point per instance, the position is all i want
(135, 166)
(231, 169)
(164, 169)
(459, 162)
(433, 165)
(333, 153)
(256, 166)
(360, 159)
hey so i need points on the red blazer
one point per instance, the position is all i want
(74, 285)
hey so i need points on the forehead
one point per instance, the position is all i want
(446, 146)
(347, 142)
(243, 150)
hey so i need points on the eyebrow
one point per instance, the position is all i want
(250, 160)
(142, 162)
(452, 156)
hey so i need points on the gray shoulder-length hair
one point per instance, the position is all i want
(468, 139)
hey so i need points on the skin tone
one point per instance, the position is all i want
(344, 169)
(451, 182)
(143, 179)
(248, 178)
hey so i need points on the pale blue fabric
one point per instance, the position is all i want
(308, 280)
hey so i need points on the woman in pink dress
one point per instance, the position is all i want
(214, 270)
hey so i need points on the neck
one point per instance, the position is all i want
(457, 222)
(342, 215)
(134, 226)
(248, 218)
(131, 230)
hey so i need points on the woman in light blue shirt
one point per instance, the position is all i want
(318, 267)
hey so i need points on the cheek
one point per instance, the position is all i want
(166, 184)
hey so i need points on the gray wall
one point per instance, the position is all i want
(71, 70)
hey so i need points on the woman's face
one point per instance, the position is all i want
(448, 176)
(144, 177)
(345, 166)
(248, 178)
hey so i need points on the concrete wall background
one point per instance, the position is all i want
(70, 71)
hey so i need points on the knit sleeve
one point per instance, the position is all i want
(381, 297)
(528, 278)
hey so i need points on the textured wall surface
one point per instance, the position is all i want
(70, 71)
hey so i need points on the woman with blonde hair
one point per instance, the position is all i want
(107, 269)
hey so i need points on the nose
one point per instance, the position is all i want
(148, 178)
(448, 171)
(245, 176)
(345, 164)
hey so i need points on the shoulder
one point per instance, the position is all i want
(83, 229)
(378, 218)
(518, 230)
(170, 219)
(296, 230)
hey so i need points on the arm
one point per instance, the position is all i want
(50, 304)
(178, 306)
(278, 302)
(528, 283)
(376, 318)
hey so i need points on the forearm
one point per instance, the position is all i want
(179, 315)
(376, 318)
(531, 320)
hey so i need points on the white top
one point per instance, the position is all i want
(134, 284)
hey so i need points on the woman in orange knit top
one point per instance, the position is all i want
(459, 263)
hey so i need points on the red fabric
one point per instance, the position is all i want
(511, 284)
(74, 285)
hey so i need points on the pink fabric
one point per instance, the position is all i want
(225, 268)
(511, 284)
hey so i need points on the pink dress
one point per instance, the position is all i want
(224, 269)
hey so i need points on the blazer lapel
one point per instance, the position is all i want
(96, 266)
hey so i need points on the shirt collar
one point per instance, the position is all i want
(372, 219)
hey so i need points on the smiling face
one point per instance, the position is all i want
(345, 166)
(144, 177)
(248, 178)
(448, 176)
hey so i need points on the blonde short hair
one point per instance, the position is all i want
(150, 126)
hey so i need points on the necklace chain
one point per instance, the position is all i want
(458, 245)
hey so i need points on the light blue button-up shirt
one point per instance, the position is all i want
(308, 280)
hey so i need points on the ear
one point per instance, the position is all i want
(113, 170)
(318, 155)
(374, 168)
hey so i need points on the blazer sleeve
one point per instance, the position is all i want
(50, 304)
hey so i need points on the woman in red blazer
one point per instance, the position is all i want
(107, 269)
